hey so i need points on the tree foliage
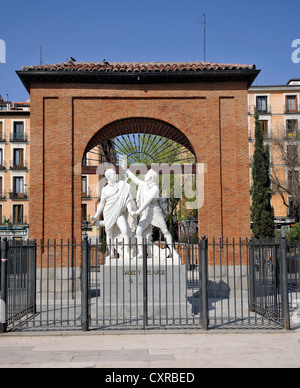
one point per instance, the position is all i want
(294, 234)
(262, 212)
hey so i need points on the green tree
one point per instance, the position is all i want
(262, 212)
(294, 234)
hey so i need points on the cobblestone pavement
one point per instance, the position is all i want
(263, 349)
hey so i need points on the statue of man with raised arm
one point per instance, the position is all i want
(151, 207)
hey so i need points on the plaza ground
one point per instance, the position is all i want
(194, 349)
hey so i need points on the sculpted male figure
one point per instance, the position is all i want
(115, 203)
(150, 207)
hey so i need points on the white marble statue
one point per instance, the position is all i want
(117, 205)
(152, 209)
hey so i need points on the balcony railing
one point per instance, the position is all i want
(15, 195)
(265, 110)
(85, 194)
(10, 221)
(18, 137)
(292, 134)
(262, 111)
(18, 166)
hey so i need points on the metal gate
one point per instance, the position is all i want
(17, 281)
(166, 287)
(274, 280)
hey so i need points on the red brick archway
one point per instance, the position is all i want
(139, 125)
(70, 104)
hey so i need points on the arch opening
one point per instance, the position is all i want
(147, 142)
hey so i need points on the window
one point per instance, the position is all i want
(293, 181)
(18, 214)
(1, 187)
(1, 158)
(18, 131)
(85, 160)
(291, 104)
(1, 130)
(18, 158)
(264, 127)
(1, 219)
(83, 212)
(18, 186)
(292, 208)
(291, 127)
(292, 155)
(262, 104)
(84, 188)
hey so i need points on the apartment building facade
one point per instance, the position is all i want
(279, 114)
(15, 174)
(14, 169)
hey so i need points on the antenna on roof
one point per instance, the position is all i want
(42, 45)
(204, 31)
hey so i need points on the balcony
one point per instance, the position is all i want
(11, 222)
(15, 195)
(85, 195)
(18, 137)
(292, 134)
(266, 110)
(18, 166)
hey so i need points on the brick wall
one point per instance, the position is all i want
(64, 117)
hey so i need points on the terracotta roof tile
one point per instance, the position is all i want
(138, 67)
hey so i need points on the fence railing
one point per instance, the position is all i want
(18, 281)
(215, 284)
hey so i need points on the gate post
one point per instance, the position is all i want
(32, 276)
(204, 282)
(252, 276)
(85, 284)
(3, 300)
(145, 285)
(276, 278)
(284, 285)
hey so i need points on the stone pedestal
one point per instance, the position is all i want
(122, 290)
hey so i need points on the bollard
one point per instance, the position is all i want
(251, 277)
(204, 282)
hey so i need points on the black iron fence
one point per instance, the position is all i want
(18, 281)
(211, 285)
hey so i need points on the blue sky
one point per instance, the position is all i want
(253, 32)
